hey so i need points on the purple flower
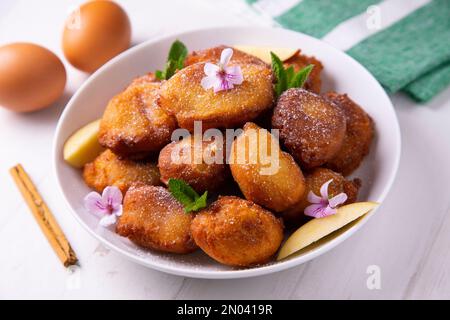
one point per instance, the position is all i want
(108, 205)
(324, 206)
(222, 77)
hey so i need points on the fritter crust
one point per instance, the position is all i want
(133, 123)
(358, 137)
(182, 160)
(154, 219)
(237, 232)
(311, 128)
(185, 98)
(213, 55)
(109, 170)
(278, 188)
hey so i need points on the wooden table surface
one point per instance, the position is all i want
(407, 242)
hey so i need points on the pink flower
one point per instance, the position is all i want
(323, 206)
(108, 205)
(222, 77)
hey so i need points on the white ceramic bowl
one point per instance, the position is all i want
(342, 74)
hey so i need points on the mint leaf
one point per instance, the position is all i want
(159, 75)
(198, 204)
(182, 192)
(290, 72)
(288, 78)
(175, 61)
(171, 67)
(280, 74)
(177, 50)
(187, 196)
(300, 77)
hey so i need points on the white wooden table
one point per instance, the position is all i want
(408, 239)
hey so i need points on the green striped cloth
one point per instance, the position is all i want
(318, 17)
(412, 55)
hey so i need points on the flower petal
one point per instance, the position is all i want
(224, 84)
(328, 211)
(324, 189)
(314, 210)
(93, 203)
(210, 69)
(112, 196)
(118, 211)
(234, 74)
(209, 82)
(225, 57)
(337, 200)
(313, 198)
(108, 220)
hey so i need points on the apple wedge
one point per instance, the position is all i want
(82, 147)
(264, 52)
(316, 229)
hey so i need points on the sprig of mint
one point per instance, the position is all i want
(175, 61)
(184, 193)
(288, 78)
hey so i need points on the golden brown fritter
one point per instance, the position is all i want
(133, 124)
(154, 219)
(265, 174)
(358, 137)
(109, 170)
(314, 180)
(185, 98)
(213, 55)
(237, 232)
(202, 167)
(145, 79)
(299, 61)
(311, 128)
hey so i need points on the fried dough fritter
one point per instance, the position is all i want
(145, 79)
(185, 98)
(294, 217)
(109, 170)
(237, 232)
(358, 137)
(133, 123)
(265, 174)
(154, 219)
(311, 128)
(213, 55)
(299, 61)
(202, 167)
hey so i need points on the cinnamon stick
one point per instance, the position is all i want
(43, 216)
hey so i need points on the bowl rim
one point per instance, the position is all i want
(227, 274)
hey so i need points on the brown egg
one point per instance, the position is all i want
(95, 33)
(31, 77)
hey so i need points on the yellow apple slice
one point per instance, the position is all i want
(82, 147)
(264, 52)
(316, 229)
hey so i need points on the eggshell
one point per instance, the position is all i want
(95, 33)
(31, 77)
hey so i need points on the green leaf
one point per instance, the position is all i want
(159, 75)
(300, 77)
(182, 192)
(177, 50)
(199, 203)
(288, 78)
(280, 74)
(175, 61)
(290, 72)
(187, 196)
